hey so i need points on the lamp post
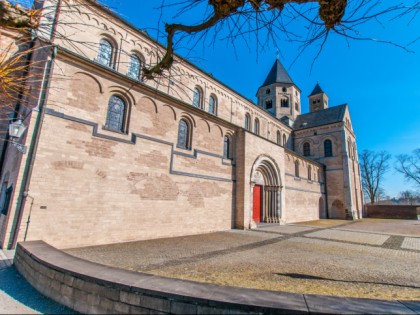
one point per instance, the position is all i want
(16, 130)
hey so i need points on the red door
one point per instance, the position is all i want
(256, 213)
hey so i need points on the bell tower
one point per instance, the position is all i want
(318, 100)
(279, 95)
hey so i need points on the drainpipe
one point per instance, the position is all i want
(29, 217)
(23, 193)
(56, 16)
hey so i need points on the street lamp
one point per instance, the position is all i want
(16, 130)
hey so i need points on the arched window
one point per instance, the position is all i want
(116, 114)
(184, 134)
(227, 148)
(105, 53)
(354, 152)
(197, 98)
(284, 140)
(247, 124)
(309, 172)
(256, 126)
(306, 149)
(213, 105)
(297, 169)
(328, 148)
(297, 106)
(349, 149)
(278, 137)
(135, 67)
(284, 102)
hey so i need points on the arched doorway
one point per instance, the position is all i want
(266, 191)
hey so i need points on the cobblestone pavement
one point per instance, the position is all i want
(313, 258)
(18, 297)
(387, 226)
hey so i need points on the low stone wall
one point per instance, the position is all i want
(392, 212)
(93, 288)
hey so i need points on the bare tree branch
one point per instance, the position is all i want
(409, 166)
(373, 167)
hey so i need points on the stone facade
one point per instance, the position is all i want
(84, 182)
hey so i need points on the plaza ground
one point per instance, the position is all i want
(370, 258)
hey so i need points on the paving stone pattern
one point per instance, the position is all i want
(354, 237)
(294, 258)
(411, 243)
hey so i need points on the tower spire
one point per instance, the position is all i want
(277, 74)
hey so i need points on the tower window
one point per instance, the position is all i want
(267, 91)
(297, 106)
(284, 103)
(306, 149)
(269, 104)
(327, 148)
(284, 89)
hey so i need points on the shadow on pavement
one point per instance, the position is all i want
(15, 286)
(309, 277)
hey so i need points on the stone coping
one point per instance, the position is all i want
(89, 287)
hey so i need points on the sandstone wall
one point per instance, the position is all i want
(95, 186)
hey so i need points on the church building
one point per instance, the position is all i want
(109, 157)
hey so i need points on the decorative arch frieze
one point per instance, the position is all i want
(172, 109)
(96, 21)
(100, 85)
(207, 124)
(152, 101)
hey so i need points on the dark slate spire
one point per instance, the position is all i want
(277, 74)
(317, 90)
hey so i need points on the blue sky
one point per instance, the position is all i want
(380, 82)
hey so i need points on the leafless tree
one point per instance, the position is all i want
(270, 21)
(410, 196)
(21, 64)
(275, 20)
(373, 166)
(409, 166)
